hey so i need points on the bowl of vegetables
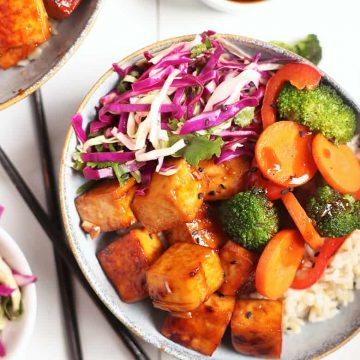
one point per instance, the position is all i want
(18, 298)
(37, 37)
(218, 177)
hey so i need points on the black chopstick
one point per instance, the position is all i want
(63, 273)
(55, 237)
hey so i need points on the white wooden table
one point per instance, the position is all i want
(122, 27)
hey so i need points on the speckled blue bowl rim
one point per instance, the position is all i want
(162, 343)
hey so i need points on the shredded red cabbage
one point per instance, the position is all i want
(77, 122)
(120, 157)
(166, 96)
(2, 349)
(97, 174)
(22, 279)
(5, 290)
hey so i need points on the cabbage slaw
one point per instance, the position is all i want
(194, 99)
(11, 282)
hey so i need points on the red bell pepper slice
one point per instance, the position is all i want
(60, 9)
(306, 278)
(256, 179)
(299, 75)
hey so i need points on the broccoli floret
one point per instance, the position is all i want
(250, 219)
(309, 48)
(321, 109)
(334, 214)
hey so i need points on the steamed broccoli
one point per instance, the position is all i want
(250, 219)
(320, 109)
(335, 215)
(309, 48)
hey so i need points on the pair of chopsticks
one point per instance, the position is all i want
(56, 236)
(62, 271)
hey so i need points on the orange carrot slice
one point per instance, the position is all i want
(283, 154)
(337, 164)
(278, 263)
(302, 221)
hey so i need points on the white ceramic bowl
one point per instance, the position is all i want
(17, 334)
(18, 82)
(142, 318)
(232, 6)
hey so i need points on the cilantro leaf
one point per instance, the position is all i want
(199, 148)
(86, 186)
(245, 117)
(174, 124)
(121, 174)
(199, 49)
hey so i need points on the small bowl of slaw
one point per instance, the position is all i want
(17, 299)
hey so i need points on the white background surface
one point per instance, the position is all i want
(122, 27)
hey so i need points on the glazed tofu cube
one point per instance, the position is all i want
(239, 266)
(205, 329)
(256, 328)
(126, 260)
(171, 200)
(225, 179)
(106, 207)
(23, 22)
(184, 277)
(204, 230)
(10, 57)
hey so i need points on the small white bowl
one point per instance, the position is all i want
(17, 334)
(231, 6)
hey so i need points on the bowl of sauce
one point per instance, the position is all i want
(231, 5)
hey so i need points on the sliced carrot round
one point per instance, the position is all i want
(337, 164)
(283, 154)
(278, 263)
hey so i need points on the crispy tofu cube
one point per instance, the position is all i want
(205, 329)
(256, 328)
(239, 265)
(107, 206)
(225, 179)
(23, 22)
(204, 230)
(184, 277)
(171, 200)
(10, 57)
(126, 260)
